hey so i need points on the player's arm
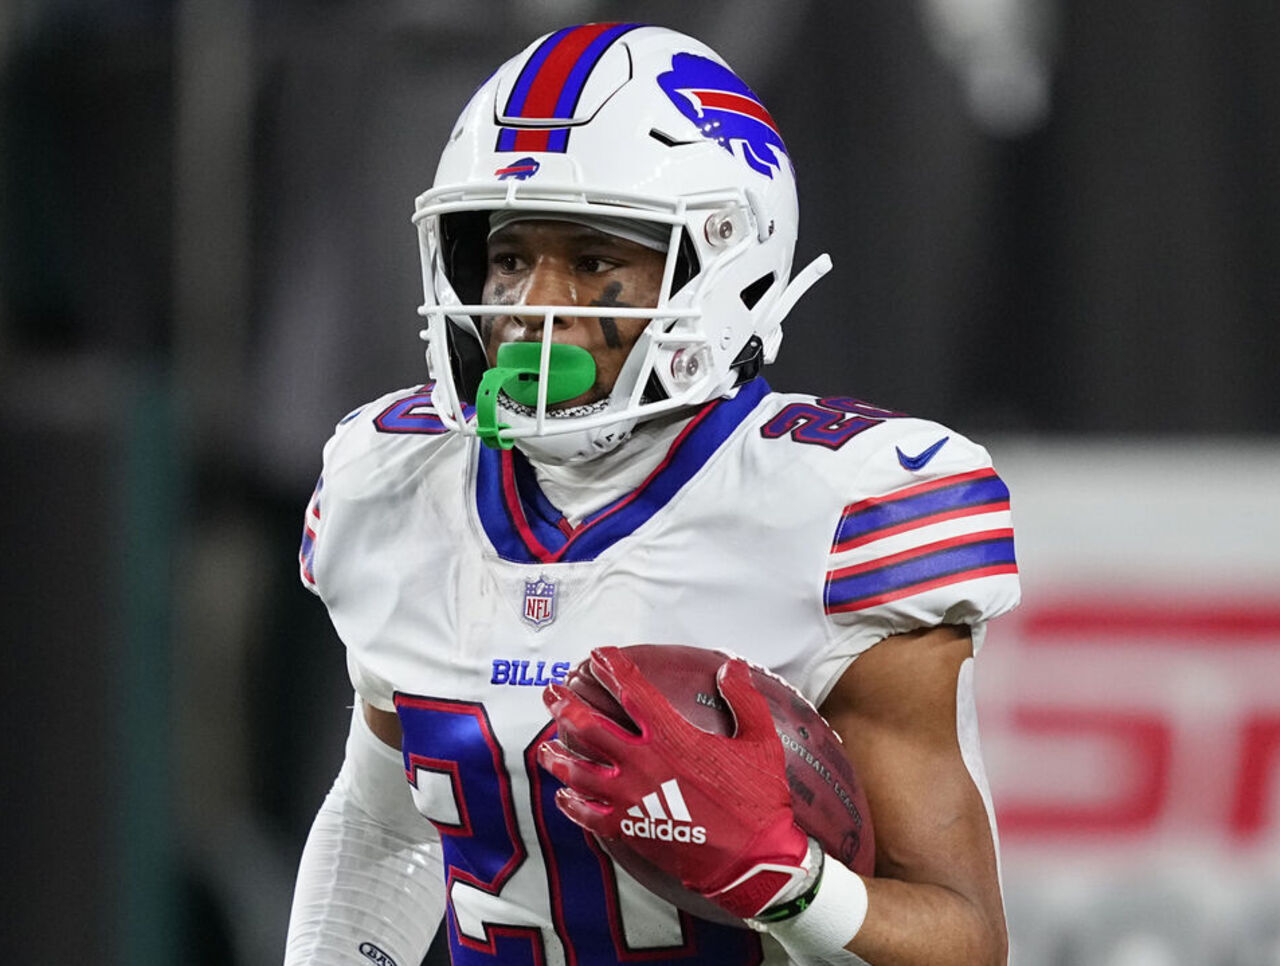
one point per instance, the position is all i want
(370, 876)
(384, 724)
(935, 900)
(936, 897)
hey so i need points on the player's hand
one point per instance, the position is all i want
(713, 811)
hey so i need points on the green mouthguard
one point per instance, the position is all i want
(570, 372)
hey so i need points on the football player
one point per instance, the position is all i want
(597, 462)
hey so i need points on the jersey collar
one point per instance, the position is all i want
(524, 527)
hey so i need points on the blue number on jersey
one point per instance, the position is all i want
(484, 848)
(831, 421)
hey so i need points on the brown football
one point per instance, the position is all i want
(827, 797)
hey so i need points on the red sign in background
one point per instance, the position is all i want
(1146, 716)
(1133, 746)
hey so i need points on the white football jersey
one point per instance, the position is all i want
(791, 530)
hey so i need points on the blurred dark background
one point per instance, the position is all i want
(1047, 218)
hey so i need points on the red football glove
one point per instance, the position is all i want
(713, 811)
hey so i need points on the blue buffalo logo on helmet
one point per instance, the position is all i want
(521, 170)
(724, 109)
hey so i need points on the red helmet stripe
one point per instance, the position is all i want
(551, 82)
(544, 92)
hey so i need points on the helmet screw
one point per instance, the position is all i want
(723, 226)
(686, 364)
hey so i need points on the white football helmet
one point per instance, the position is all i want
(616, 121)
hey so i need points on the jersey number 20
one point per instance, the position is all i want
(485, 845)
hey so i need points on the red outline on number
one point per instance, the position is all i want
(403, 417)
(450, 768)
(609, 880)
(625, 953)
(613, 902)
(798, 417)
(492, 931)
(544, 839)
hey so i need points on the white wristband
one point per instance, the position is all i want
(818, 935)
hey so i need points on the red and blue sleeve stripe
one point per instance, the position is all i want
(948, 498)
(552, 82)
(969, 557)
(307, 552)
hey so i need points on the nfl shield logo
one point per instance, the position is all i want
(539, 601)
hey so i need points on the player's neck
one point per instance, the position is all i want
(578, 489)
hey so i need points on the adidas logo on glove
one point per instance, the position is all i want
(654, 822)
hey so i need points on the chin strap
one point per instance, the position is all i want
(570, 372)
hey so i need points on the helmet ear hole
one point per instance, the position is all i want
(464, 249)
(464, 237)
(467, 360)
(653, 391)
(753, 293)
(687, 264)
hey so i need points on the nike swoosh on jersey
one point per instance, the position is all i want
(918, 461)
